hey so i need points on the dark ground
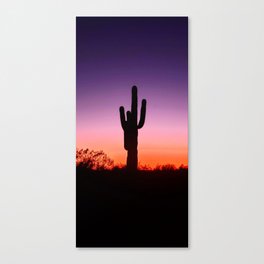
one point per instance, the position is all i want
(149, 209)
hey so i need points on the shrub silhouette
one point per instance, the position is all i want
(166, 167)
(144, 167)
(130, 126)
(93, 160)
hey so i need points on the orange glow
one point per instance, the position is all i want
(151, 152)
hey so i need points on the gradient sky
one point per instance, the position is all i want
(113, 54)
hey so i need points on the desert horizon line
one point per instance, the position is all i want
(145, 165)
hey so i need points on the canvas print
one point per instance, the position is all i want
(132, 132)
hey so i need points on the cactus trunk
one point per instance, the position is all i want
(130, 126)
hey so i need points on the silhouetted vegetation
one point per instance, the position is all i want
(93, 160)
(130, 127)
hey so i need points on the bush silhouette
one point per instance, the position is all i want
(166, 167)
(93, 160)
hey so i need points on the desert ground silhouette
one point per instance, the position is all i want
(119, 208)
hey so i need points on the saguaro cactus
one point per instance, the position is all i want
(130, 126)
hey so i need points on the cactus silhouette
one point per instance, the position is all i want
(130, 126)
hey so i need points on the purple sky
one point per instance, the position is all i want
(115, 53)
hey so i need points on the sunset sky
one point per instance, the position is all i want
(113, 54)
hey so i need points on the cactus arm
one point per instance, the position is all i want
(129, 117)
(122, 117)
(134, 105)
(125, 140)
(127, 130)
(142, 114)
